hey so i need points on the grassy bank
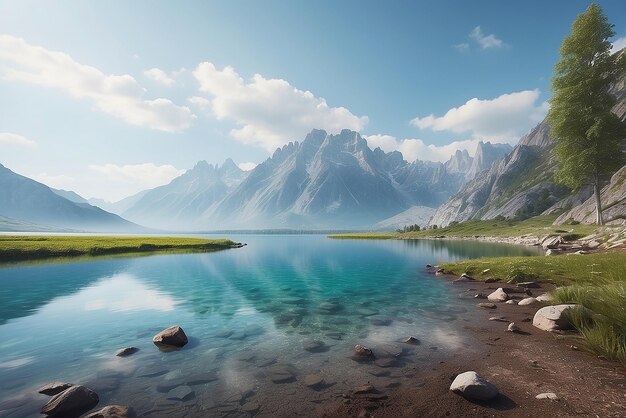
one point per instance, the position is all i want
(31, 247)
(596, 281)
(537, 226)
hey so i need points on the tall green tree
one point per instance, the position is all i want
(588, 135)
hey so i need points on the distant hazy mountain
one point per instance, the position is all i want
(27, 201)
(70, 195)
(419, 215)
(120, 206)
(179, 204)
(486, 154)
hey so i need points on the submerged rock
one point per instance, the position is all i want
(54, 388)
(111, 411)
(72, 402)
(411, 340)
(173, 336)
(487, 305)
(180, 393)
(314, 381)
(314, 346)
(472, 386)
(364, 389)
(362, 351)
(127, 351)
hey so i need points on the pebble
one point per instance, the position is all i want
(547, 395)
(487, 305)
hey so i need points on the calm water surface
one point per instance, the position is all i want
(250, 315)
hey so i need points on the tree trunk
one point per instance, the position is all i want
(596, 192)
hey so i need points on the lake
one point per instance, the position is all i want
(263, 321)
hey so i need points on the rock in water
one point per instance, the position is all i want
(411, 340)
(363, 351)
(173, 336)
(111, 411)
(54, 388)
(487, 305)
(72, 402)
(472, 386)
(124, 352)
(313, 381)
(180, 393)
(554, 318)
(498, 296)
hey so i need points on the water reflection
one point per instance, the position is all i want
(254, 316)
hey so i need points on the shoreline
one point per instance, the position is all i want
(521, 365)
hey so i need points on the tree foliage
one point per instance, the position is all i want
(587, 133)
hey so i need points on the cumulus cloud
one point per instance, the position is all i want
(118, 95)
(269, 112)
(413, 149)
(160, 76)
(9, 138)
(503, 119)
(485, 41)
(618, 44)
(147, 175)
(247, 166)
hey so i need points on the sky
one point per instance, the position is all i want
(111, 98)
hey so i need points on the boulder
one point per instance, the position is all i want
(527, 301)
(553, 318)
(124, 352)
(72, 402)
(551, 243)
(173, 336)
(513, 328)
(111, 411)
(498, 296)
(471, 385)
(511, 302)
(544, 298)
(54, 388)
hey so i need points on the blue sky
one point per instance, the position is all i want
(109, 98)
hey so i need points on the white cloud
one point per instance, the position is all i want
(9, 138)
(247, 166)
(503, 119)
(270, 112)
(485, 41)
(413, 149)
(117, 95)
(60, 181)
(201, 102)
(147, 175)
(464, 46)
(159, 76)
(618, 44)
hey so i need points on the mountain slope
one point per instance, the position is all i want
(522, 184)
(120, 206)
(28, 201)
(179, 204)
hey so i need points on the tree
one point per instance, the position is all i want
(587, 133)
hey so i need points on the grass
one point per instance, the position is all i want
(30, 247)
(595, 281)
(537, 226)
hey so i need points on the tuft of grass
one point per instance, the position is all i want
(604, 330)
(29, 247)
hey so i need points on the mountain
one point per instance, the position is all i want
(522, 184)
(334, 181)
(419, 215)
(70, 195)
(179, 204)
(486, 154)
(120, 206)
(26, 201)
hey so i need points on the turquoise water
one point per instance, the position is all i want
(250, 314)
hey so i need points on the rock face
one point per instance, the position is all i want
(498, 296)
(613, 198)
(72, 402)
(54, 388)
(111, 411)
(522, 184)
(472, 386)
(173, 336)
(554, 318)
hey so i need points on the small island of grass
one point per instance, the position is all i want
(31, 247)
